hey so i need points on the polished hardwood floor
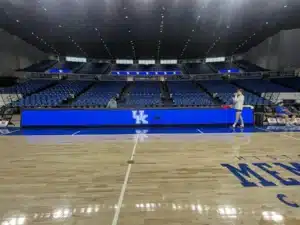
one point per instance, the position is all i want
(147, 179)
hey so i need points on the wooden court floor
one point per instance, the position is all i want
(151, 179)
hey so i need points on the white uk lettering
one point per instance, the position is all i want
(140, 117)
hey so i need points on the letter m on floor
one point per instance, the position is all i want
(243, 172)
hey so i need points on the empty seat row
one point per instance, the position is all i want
(55, 95)
(188, 93)
(27, 87)
(99, 94)
(144, 94)
(224, 91)
(144, 101)
(40, 93)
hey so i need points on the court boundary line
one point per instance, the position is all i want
(124, 186)
(279, 133)
(77, 132)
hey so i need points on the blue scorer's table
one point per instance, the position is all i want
(130, 117)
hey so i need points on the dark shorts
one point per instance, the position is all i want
(238, 110)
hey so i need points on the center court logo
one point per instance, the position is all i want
(140, 117)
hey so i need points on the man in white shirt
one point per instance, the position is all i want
(112, 103)
(238, 104)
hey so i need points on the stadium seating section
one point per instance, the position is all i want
(224, 91)
(68, 67)
(222, 66)
(55, 93)
(99, 94)
(246, 66)
(262, 86)
(187, 93)
(27, 88)
(144, 94)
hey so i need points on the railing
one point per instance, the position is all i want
(6, 108)
(106, 77)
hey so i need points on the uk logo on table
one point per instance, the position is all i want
(140, 117)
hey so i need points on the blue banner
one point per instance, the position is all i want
(233, 70)
(54, 70)
(152, 73)
(128, 117)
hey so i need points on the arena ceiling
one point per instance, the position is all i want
(146, 29)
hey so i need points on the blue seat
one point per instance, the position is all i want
(144, 94)
(187, 93)
(55, 95)
(225, 91)
(99, 94)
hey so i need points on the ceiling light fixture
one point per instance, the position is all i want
(191, 36)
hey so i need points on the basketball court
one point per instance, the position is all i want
(149, 176)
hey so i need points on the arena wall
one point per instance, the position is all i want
(16, 53)
(279, 52)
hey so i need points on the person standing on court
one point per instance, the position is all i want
(238, 104)
(112, 103)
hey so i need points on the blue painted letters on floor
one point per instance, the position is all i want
(243, 172)
(295, 168)
(284, 200)
(267, 168)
